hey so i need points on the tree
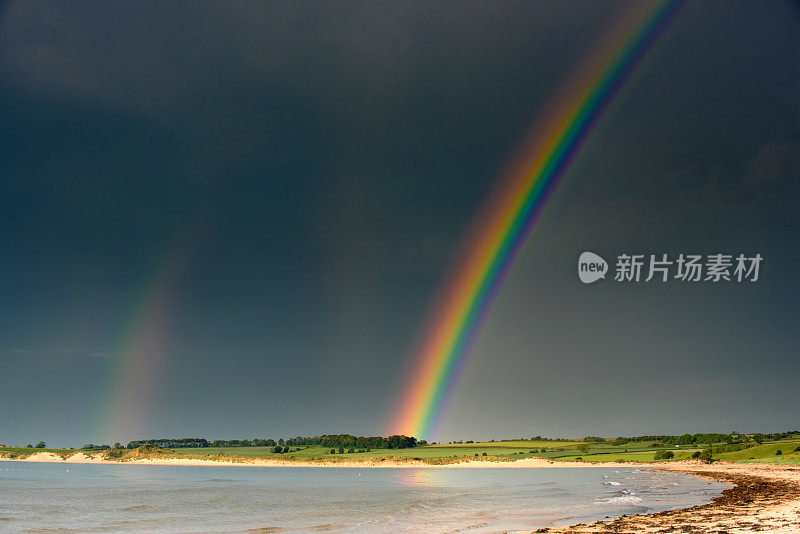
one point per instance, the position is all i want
(664, 455)
(117, 445)
(41, 445)
(333, 451)
(401, 442)
(706, 456)
(341, 450)
(277, 449)
(778, 452)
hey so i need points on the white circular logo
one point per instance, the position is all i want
(591, 267)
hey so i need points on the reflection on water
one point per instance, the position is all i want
(420, 477)
(126, 498)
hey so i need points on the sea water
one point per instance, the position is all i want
(64, 498)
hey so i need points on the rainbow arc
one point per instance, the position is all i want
(504, 226)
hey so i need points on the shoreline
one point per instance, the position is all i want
(764, 497)
(528, 463)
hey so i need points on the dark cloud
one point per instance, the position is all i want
(775, 163)
(319, 163)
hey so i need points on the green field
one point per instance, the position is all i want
(514, 450)
(606, 451)
(511, 450)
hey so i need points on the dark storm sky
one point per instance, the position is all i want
(317, 165)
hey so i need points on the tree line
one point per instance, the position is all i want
(335, 441)
(349, 441)
(694, 439)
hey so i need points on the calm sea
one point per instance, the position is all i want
(56, 498)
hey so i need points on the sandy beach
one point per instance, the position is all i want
(98, 458)
(80, 457)
(765, 498)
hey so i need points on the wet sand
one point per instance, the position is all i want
(764, 499)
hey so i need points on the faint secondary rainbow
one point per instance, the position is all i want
(503, 227)
(131, 386)
(129, 395)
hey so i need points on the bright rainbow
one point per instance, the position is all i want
(503, 228)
